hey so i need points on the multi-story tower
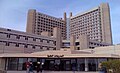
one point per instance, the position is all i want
(38, 22)
(94, 23)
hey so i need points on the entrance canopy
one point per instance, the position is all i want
(60, 54)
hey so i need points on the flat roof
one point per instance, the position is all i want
(59, 54)
(98, 52)
(79, 14)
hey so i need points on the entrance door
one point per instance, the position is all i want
(81, 64)
(57, 65)
(65, 65)
(49, 64)
(92, 65)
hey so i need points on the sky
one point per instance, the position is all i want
(13, 13)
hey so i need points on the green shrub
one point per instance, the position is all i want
(112, 66)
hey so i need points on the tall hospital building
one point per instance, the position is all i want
(45, 41)
(95, 24)
(38, 22)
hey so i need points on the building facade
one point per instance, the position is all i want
(38, 22)
(43, 42)
(17, 41)
(94, 23)
(83, 42)
(60, 61)
(12, 41)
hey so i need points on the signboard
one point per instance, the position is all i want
(55, 56)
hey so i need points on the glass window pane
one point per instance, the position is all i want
(92, 64)
(81, 64)
(21, 63)
(73, 63)
(12, 63)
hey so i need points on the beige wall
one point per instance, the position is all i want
(38, 22)
(31, 21)
(84, 42)
(2, 64)
(106, 23)
(16, 42)
(57, 35)
(72, 42)
(95, 23)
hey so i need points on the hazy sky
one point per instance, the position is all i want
(13, 13)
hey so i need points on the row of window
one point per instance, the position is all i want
(47, 17)
(48, 27)
(24, 45)
(85, 22)
(97, 44)
(95, 29)
(50, 21)
(86, 19)
(73, 64)
(90, 33)
(88, 14)
(49, 24)
(15, 36)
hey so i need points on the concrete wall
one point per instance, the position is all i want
(57, 35)
(2, 64)
(84, 41)
(31, 21)
(106, 23)
(72, 42)
(12, 41)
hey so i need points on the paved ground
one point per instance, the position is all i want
(50, 72)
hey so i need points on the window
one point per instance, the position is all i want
(17, 45)
(7, 44)
(92, 63)
(81, 64)
(18, 37)
(8, 36)
(34, 39)
(21, 63)
(25, 46)
(78, 48)
(33, 47)
(26, 38)
(12, 63)
(74, 64)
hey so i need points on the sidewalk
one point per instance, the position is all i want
(51, 72)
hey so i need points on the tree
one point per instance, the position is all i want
(112, 66)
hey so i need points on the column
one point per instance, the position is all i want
(2, 64)
(84, 42)
(31, 21)
(96, 62)
(57, 35)
(86, 64)
(72, 42)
